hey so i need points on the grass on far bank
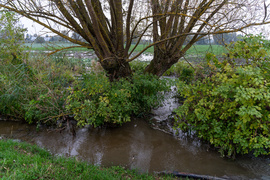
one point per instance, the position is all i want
(198, 50)
(52, 46)
(24, 161)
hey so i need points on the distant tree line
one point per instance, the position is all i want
(217, 39)
(40, 39)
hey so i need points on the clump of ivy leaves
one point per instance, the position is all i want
(230, 108)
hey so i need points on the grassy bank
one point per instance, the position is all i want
(198, 50)
(24, 161)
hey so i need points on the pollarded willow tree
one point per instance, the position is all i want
(108, 26)
(177, 21)
(104, 25)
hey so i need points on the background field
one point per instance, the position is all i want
(196, 50)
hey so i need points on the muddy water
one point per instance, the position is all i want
(135, 145)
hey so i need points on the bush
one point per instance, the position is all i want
(13, 69)
(11, 39)
(229, 109)
(138, 66)
(53, 77)
(14, 85)
(97, 101)
(36, 90)
(251, 48)
(180, 69)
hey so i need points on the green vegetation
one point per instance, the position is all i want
(44, 90)
(198, 50)
(138, 66)
(24, 161)
(49, 90)
(253, 49)
(230, 107)
(95, 100)
(202, 50)
(35, 90)
(11, 38)
(224, 103)
(51, 46)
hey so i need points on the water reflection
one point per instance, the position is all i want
(135, 145)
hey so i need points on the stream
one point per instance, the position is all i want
(136, 145)
(148, 145)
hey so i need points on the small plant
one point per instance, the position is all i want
(53, 77)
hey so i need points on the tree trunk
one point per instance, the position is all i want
(160, 64)
(116, 68)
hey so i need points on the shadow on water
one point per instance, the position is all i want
(138, 146)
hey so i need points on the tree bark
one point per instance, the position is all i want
(161, 63)
(116, 68)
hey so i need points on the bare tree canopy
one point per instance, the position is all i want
(176, 20)
(105, 26)
(108, 26)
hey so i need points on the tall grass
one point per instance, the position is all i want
(36, 88)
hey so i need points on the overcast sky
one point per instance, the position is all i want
(34, 28)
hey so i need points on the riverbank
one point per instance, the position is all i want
(19, 160)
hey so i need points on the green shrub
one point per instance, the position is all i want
(138, 66)
(14, 72)
(184, 71)
(53, 77)
(11, 38)
(36, 90)
(14, 91)
(230, 109)
(252, 48)
(96, 101)
(171, 71)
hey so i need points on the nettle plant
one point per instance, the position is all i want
(230, 108)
